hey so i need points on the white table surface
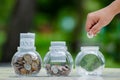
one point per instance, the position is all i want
(7, 73)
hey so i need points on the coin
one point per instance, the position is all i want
(90, 35)
(23, 71)
(37, 61)
(64, 68)
(48, 66)
(58, 70)
(20, 59)
(28, 58)
(34, 66)
(20, 63)
(34, 57)
(54, 69)
(27, 66)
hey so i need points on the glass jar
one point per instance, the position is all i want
(90, 61)
(26, 60)
(58, 61)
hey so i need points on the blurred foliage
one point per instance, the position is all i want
(5, 10)
(56, 20)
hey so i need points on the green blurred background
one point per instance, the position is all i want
(56, 20)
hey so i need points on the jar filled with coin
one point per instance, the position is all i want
(58, 61)
(26, 61)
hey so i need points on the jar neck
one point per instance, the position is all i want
(54, 48)
(90, 48)
(26, 49)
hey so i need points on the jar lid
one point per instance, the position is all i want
(58, 43)
(27, 35)
(90, 48)
(27, 40)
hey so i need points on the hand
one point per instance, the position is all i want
(97, 20)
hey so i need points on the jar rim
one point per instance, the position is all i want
(58, 43)
(89, 48)
(58, 47)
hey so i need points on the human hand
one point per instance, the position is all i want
(97, 20)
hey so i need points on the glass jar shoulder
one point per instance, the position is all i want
(97, 54)
(83, 53)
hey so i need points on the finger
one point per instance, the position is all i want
(88, 26)
(88, 23)
(96, 32)
(96, 28)
(91, 21)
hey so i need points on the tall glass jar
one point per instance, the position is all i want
(26, 61)
(89, 61)
(58, 61)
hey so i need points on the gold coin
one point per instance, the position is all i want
(23, 71)
(28, 58)
(20, 59)
(38, 61)
(34, 66)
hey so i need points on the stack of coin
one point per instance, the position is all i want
(58, 70)
(26, 65)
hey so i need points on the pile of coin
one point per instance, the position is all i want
(58, 70)
(27, 65)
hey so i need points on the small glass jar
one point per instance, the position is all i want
(58, 61)
(26, 61)
(89, 61)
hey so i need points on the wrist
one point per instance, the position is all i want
(114, 7)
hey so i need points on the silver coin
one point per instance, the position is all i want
(90, 35)
(54, 69)
(34, 57)
(27, 66)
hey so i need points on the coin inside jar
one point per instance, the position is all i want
(28, 58)
(23, 71)
(34, 66)
(54, 69)
(58, 70)
(25, 65)
(20, 59)
(37, 61)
